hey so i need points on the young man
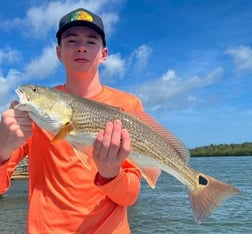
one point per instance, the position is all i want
(64, 196)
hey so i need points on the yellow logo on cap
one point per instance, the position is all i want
(81, 15)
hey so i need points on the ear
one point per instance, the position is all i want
(58, 52)
(104, 54)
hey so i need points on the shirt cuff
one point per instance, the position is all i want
(99, 180)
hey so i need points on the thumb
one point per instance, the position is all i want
(13, 104)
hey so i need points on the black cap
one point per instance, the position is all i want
(81, 17)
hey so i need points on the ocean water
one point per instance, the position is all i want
(166, 209)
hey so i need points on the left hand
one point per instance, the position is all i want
(111, 148)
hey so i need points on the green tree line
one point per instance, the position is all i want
(244, 149)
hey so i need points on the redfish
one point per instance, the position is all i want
(154, 148)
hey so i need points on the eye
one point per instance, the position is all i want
(92, 42)
(71, 41)
(35, 89)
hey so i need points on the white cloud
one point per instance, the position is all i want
(139, 58)
(9, 55)
(38, 68)
(142, 54)
(43, 65)
(113, 68)
(109, 20)
(169, 75)
(242, 56)
(39, 20)
(174, 92)
(7, 85)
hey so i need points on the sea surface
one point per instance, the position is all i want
(166, 209)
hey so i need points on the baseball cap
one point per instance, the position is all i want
(81, 17)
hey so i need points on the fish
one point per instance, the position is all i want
(154, 148)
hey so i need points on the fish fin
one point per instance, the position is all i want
(208, 195)
(61, 135)
(83, 152)
(151, 175)
(176, 143)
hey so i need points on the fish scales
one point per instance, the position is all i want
(144, 140)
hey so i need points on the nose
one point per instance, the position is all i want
(82, 49)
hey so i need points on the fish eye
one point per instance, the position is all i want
(35, 90)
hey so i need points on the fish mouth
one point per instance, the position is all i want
(23, 99)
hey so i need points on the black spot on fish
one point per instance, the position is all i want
(202, 180)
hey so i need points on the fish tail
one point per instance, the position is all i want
(208, 195)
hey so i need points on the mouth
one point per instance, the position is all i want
(81, 60)
(23, 99)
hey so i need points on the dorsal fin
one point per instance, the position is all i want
(176, 143)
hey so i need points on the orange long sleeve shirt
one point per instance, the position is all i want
(63, 195)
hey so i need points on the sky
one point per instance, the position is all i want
(189, 61)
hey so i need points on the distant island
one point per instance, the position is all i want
(244, 149)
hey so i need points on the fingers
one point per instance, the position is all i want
(20, 130)
(108, 133)
(110, 149)
(112, 138)
(103, 144)
(15, 129)
(113, 143)
(15, 117)
(18, 122)
(17, 113)
(98, 143)
(126, 144)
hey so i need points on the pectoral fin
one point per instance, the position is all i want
(62, 134)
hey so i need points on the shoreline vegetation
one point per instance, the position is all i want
(244, 149)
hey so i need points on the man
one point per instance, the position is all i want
(64, 196)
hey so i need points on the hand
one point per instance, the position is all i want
(111, 147)
(15, 129)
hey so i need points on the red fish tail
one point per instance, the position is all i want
(208, 195)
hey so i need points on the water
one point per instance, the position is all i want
(166, 209)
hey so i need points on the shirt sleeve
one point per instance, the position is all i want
(123, 189)
(4, 177)
(138, 106)
(8, 167)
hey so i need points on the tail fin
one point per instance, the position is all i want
(209, 194)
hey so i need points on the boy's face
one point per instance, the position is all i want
(81, 49)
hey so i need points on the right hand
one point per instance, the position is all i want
(111, 148)
(15, 129)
